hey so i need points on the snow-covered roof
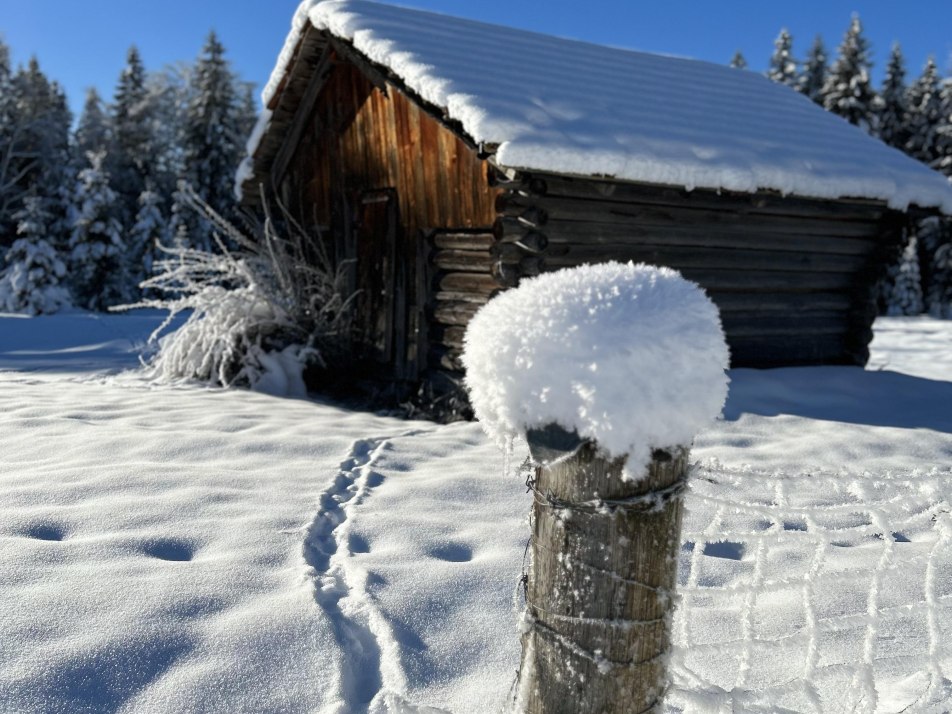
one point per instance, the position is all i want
(549, 104)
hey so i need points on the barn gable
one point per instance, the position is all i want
(441, 180)
(543, 103)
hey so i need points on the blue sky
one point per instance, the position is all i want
(84, 43)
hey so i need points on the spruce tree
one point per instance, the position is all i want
(942, 149)
(31, 282)
(45, 168)
(893, 114)
(782, 68)
(848, 91)
(813, 77)
(130, 166)
(146, 234)
(924, 111)
(93, 132)
(738, 61)
(939, 297)
(901, 292)
(247, 110)
(11, 160)
(933, 233)
(96, 245)
(212, 138)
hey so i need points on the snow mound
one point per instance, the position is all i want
(632, 356)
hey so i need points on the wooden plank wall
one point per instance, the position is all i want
(793, 278)
(363, 136)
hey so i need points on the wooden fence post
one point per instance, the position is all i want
(597, 367)
(600, 587)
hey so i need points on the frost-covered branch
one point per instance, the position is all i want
(258, 314)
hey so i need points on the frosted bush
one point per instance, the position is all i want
(632, 356)
(257, 316)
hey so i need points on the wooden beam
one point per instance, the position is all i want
(681, 257)
(482, 240)
(468, 282)
(761, 202)
(739, 236)
(468, 261)
(536, 212)
(782, 302)
(292, 138)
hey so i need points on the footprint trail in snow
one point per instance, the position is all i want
(371, 677)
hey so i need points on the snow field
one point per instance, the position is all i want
(154, 563)
(180, 548)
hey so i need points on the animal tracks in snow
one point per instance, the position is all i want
(46, 531)
(371, 677)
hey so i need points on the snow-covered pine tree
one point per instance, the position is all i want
(34, 150)
(924, 111)
(848, 90)
(44, 130)
(11, 160)
(901, 290)
(212, 139)
(93, 132)
(166, 102)
(147, 233)
(247, 109)
(782, 68)
(942, 150)
(738, 61)
(893, 115)
(31, 282)
(96, 246)
(932, 232)
(130, 163)
(813, 77)
(939, 297)
(59, 171)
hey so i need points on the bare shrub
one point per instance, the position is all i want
(260, 310)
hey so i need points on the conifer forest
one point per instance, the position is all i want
(87, 202)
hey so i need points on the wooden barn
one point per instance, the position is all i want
(448, 159)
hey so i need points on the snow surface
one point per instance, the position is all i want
(564, 106)
(167, 549)
(632, 356)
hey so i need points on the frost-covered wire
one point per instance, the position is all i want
(820, 571)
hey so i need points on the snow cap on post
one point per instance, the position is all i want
(630, 356)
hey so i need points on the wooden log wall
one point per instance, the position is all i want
(793, 278)
(468, 271)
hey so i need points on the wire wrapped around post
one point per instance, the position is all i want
(600, 587)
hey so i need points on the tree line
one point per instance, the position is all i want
(83, 209)
(914, 117)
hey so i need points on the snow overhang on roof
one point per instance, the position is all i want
(561, 106)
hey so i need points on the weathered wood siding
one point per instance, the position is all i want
(361, 136)
(793, 278)
(364, 135)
